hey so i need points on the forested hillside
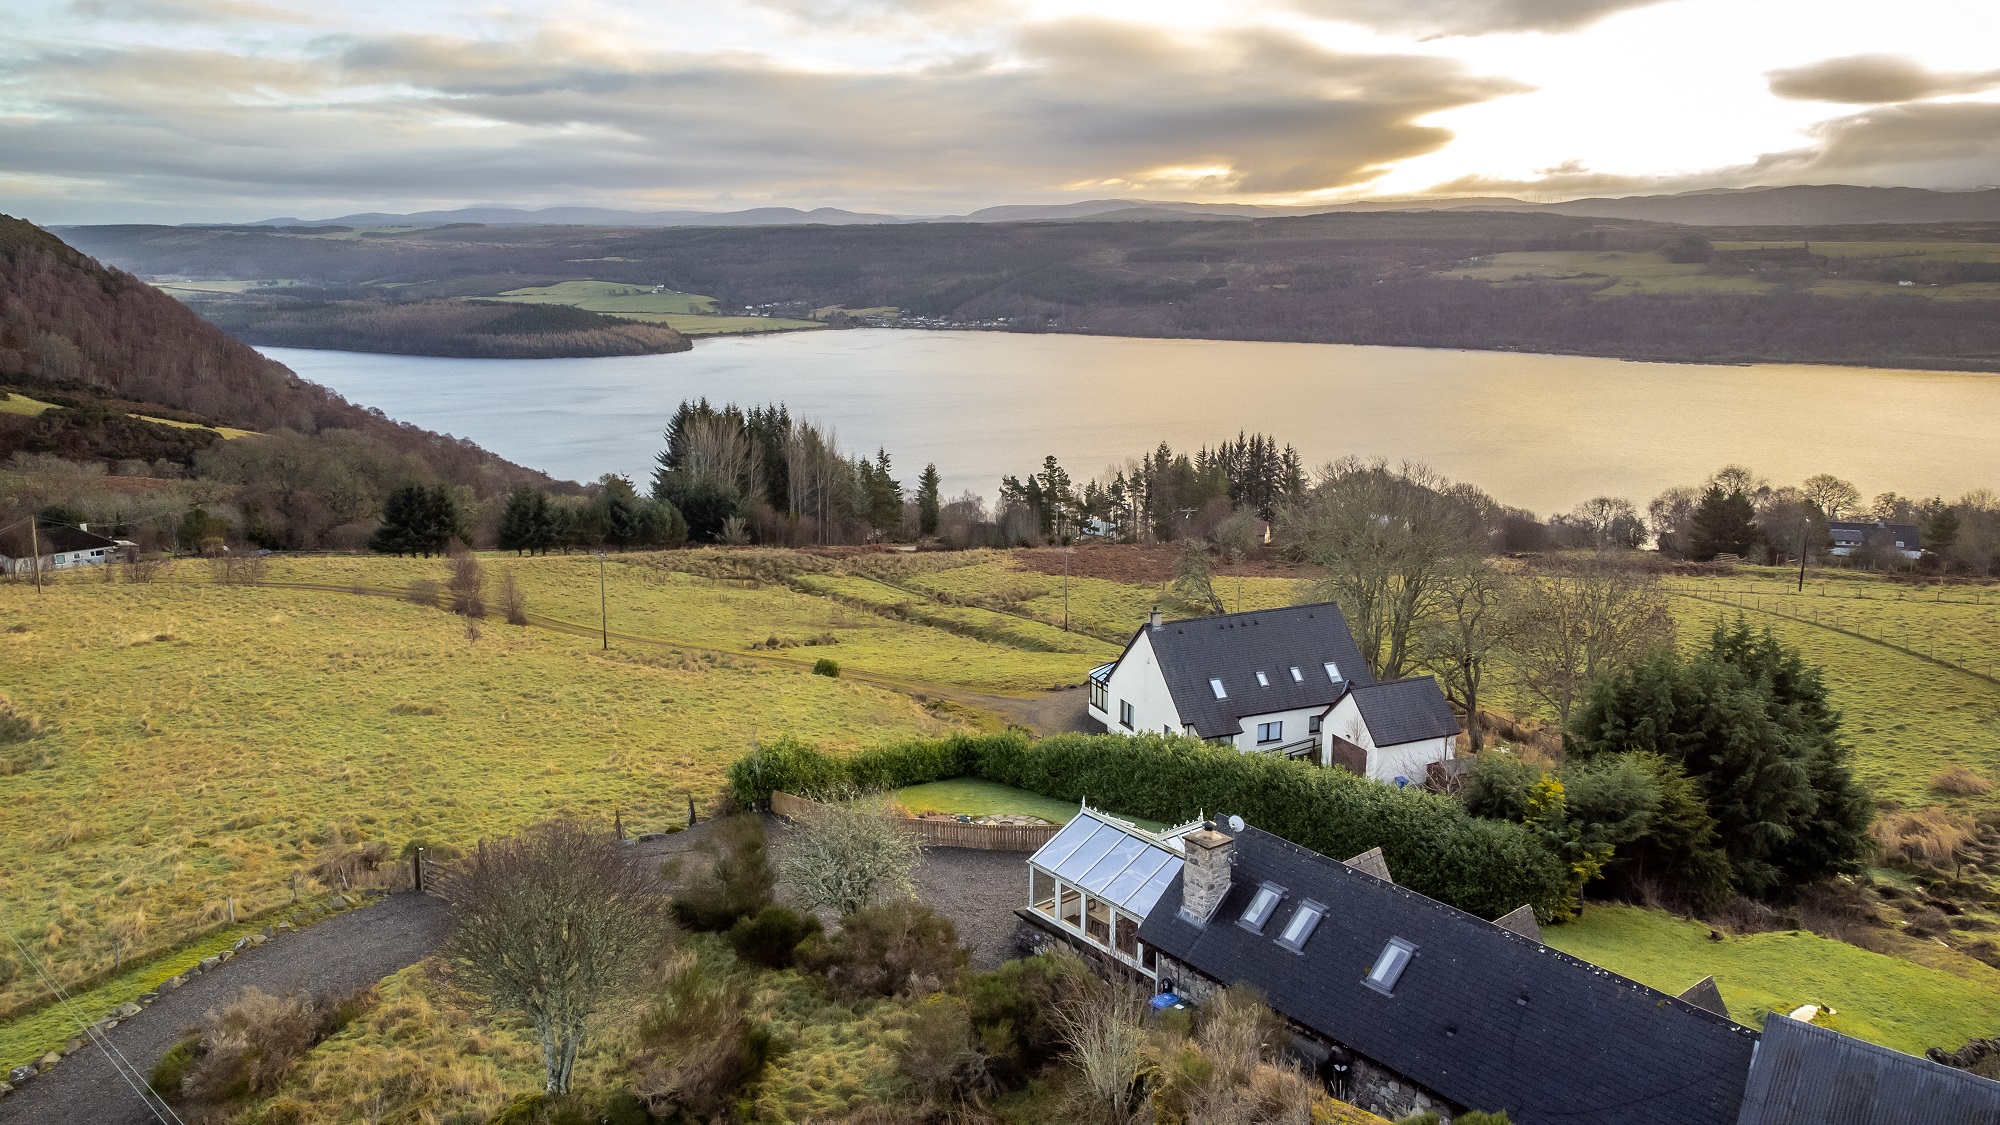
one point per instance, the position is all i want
(1445, 279)
(475, 329)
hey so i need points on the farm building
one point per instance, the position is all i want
(61, 547)
(1405, 1004)
(1284, 681)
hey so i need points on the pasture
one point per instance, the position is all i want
(689, 313)
(205, 743)
(1617, 272)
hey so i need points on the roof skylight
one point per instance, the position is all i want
(1261, 905)
(1263, 680)
(1389, 966)
(1215, 685)
(1333, 671)
(1300, 928)
(1298, 677)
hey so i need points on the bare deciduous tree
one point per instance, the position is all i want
(1833, 495)
(1194, 581)
(1577, 622)
(1103, 1025)
(1387, 538)
(513, 603)
(1464, 634)
(844, 855)
(467, 584)
(551, 924)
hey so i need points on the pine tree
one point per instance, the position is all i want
(1724, 523)
(927, 501)
(419, 520)
(523, 520)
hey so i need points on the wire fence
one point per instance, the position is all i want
(1821, 611)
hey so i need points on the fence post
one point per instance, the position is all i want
(417, 869)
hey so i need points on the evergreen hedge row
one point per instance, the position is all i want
(1484, 867)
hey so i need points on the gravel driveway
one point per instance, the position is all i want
(350, 950)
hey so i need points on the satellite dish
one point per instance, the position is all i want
(1236, 824)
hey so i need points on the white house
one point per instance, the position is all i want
(1287, 681)
(1851, 538)
(61, 547)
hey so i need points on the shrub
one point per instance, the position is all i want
(1960, 782)
(247, 1048)
(844, 856)
(696, 1047)
(938, 1053)
(1012, 1009)
(737, 881)
(896, 948)
(770, 936)
(171, 1071)
(1928, 836)
(1432, 844)
(825, 666)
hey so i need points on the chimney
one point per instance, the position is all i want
(1153, 618)
(83, 527)
(1205, 875)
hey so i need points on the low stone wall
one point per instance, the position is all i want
(945, 833)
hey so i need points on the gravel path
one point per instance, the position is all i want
(349, 950)
(978, 891)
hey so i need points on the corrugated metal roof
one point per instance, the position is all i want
(1806, 1075)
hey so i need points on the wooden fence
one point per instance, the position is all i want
(946, 833)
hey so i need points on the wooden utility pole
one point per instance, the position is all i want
(603, 607)
(1804, 526)
(35, 548)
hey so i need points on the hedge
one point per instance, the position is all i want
(1434, 847)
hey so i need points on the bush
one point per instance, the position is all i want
(1011, 1010)
(896, 948)
(170, 1073)
(1928, 836)
(737, 882)
(1432, 844)
(771, 935)
(825, 666)
(696, 1047)
(247, 1048)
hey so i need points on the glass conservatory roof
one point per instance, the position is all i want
(1112, 860)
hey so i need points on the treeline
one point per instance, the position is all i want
(1350, 278)
(473, 329)
(1163, 495)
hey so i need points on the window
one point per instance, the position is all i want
(1312, 725)
(1389, 966)
(1333, 671)
(1298, 677)
(1300, 928)
(1125, 935)
(1100, 695)
(1125, 713)
(1263, 680)
(1261, 905)
(1270, 732)
(1071, 910)
(1215, 685)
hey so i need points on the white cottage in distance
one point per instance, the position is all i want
(1288, 681)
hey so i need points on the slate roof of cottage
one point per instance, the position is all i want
(1851, 532)
(63, 540)
(1234, 647)
(1806, 1075)
(1484, 1017)
(1402, 711)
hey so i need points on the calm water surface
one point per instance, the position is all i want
(1538, 431)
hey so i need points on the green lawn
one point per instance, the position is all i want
(971, 796)
(1628, 272)
(1882, 999)
(691, 314)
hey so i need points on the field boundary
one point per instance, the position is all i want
(942, 833)
(1856, 634)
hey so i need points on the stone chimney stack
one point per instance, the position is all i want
(1205, 875)
(1153, 618)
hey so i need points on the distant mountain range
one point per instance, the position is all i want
(1775, 206)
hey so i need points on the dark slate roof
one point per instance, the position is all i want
(1405, 711)
(1485, 1017)
(63, 540)
(1806, 1075)
(1234, 647)
(1855, 531)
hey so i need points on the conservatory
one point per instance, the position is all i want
(1098, 878)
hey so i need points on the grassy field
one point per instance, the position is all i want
(205, 742)
(1106, 609)
(32, 407)
(1882, 999)
(1924, 251)
(1627, 271)
(689, 313)
(1907, 717)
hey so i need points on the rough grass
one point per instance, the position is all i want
(1882, 999)
(691, 313)
(1908, 718)
(212, 741)
(1107, 610)
(1621, 272)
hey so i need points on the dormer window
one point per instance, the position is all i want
(1263, 680)
(1300, 928)
(1262, 904)
(1389, 966)
(1298, 677)
(1215, 685)
(1333, 671)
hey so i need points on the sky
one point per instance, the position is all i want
(239, 110)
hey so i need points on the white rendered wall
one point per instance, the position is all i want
(1137, 680)
(1409, 759)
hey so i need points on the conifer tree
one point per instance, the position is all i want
(927, 501)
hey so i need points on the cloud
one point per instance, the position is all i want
(1944, 143)
(568, 116)
(1470, 17)
(184, 11)
(1874, 80)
